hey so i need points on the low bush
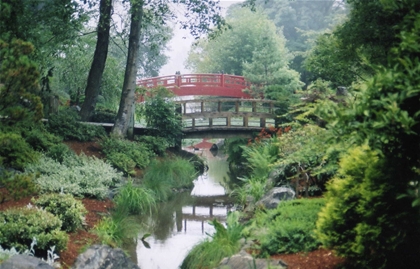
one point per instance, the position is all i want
(223, 243)
(156, 144)
(39, 138)
(138, 153)
(135, 199)
(122, 162)
(104, 115)
(80, 176)
(15, 152)
(59, 152)
(287, 229)
(69, 210)
(21, 225)
(19, 185)
(67, 125)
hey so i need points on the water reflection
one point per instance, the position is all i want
(182, 222)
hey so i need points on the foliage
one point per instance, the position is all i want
(66, 124)
(224, 243)
(301, 22)
(122, 162)
(250, 46)
(287, 229)
(135, 199)
(233, 149)
(39, 138)
(69, 210)
(123, 153)
(19, 185)
(104, 115)
(155, 143)
(77, 175)
(362, 218)
(162, 116)
(18, 83)
(21, 225)
(59, 152)
(15, 152)
(116, 229)
(163, 175)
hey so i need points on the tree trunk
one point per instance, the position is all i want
(99, 60)
(126, 110)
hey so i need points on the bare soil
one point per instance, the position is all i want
(82, 239)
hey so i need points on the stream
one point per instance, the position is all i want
(182, 222)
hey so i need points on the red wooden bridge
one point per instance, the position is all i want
(200, 84)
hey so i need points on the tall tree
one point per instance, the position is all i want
(200, 16)
(99, 60)
(126, 108)
(299, 20)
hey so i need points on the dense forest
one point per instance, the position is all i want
(345, 75)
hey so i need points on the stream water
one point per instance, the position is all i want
(182, 222)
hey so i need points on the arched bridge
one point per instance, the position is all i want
(200, 84)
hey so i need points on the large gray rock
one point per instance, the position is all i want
(243, 260)
(103, 257)
(24, 262)
(275, 196)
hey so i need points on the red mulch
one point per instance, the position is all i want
(82, 239)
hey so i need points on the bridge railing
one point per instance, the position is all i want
(227, 112)
(200, 84)
(209, 80)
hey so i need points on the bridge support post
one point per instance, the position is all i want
(210, 122)
(228, 121)
(254, 106)
(246, 121)
(262, 122)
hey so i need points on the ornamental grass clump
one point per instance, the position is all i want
(135, 199)
(161, 176)
(223, 243)
(69, 210)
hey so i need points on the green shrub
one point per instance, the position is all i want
(287, 229)
(15, 152)
(104, 115)
(122, 162)
(69, 210)
(21, 225)
(135, 199)
(66, 124)
(155, 143)
(224, 243)
(163, 175)
(137, 152)
(77, 175)
(363, 219)
(19, 185)
(116, 229)
(59, 152)
(39, 138)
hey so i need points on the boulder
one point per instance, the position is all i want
(103, 257)
(244, 260)
(275, 196)
(24, 262)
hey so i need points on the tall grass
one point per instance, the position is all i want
(117, 228)
(135, 199)
(224, 243)
(161, 176)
